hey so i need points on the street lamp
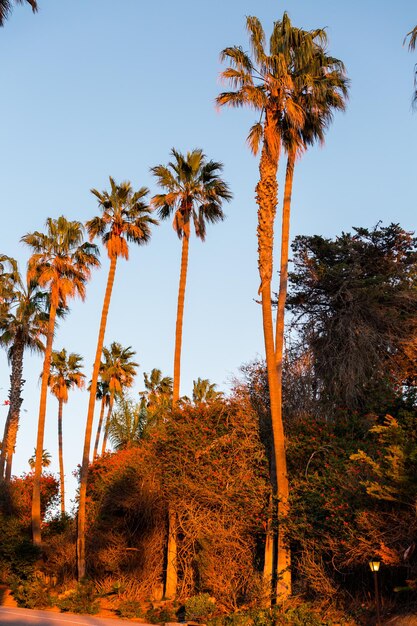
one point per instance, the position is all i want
(374, 565)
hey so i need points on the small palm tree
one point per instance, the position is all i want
(156, 400)
(23, 324)
(125, 218)
(64, 375)
(118, 371)
(194, 192)
(127, 424)
(46, 459)
(204, 391)
(62, 263)
(6, 7)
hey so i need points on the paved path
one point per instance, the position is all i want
(27, 617)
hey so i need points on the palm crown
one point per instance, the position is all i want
(117, 369)
(125, 218)
(274, 83)
(65, 373)
(7, 5)
(62, 260)
(194, 191)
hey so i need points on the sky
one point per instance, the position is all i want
(97, 88)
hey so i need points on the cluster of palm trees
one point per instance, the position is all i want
(58, 270)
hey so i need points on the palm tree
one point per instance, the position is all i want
(46, 459)
(265, 83)
(6, 7)
(156, 400)
(118, 371)
(412, 42)
(205, 391)
(126, 425)
(194, 192)
(103, 395)
(64, 375)
(23, 323)
(125, 218)
(61, 262)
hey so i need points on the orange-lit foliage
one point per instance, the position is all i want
(17, 496)
(207, 464)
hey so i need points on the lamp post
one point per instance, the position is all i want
(374, 565)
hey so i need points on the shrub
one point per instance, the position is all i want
(81, 600)
(31, 593)
(199, 608)
(129, 609)
(160, 615)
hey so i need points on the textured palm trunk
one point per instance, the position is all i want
(100, 423)
(266, 197)
(108, 420)
(61, 459)
(180, 313)
(36, 496)
(12, 421)
(89, 424)
(171, 579)
(283, 279)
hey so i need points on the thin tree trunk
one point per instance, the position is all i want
(283, 277)
(89, 424)
(108, 419)
(266, 198)
(180, 314)
(171, 573)
(61, 459)
(100, 423)
(12, 422)
(36, 496)
(283, 552)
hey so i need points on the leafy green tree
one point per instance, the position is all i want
(64, 375)
(194, 192)
(23, 324)
(62, 263)
(6, 7)
(125, 218)
(356, 304)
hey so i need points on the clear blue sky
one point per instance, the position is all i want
(95, 88)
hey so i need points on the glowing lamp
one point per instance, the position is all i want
(374, 565)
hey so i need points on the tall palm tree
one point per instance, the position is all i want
(6, 7)
(412, 42)
(118, 371)
(205, 391)
(62, 263)
(103, 395)
(64, 375)
(23, 323)
(125, 217)
(264, 82)
(194, 192)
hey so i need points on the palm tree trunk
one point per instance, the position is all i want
(283, 565)
(108, 419)
(283, 277)
(12, 421)
(36, 496)
(266, 198)
(100, 423)
(89, 424)
(61, 459)
(180, 313)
